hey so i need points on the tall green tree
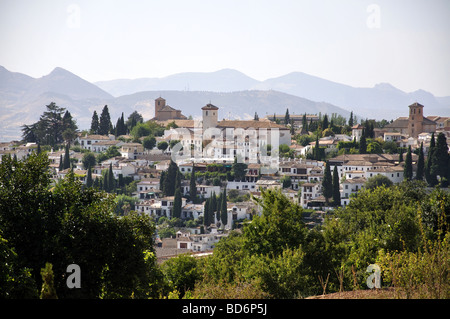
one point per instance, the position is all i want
(280, 222)
(350, 120)
(325, 122)
(193, 186)
(133, 120)
(66, 157)
(420, 164)
(213, 208)
(206, 213)
(177, 202)
(286, 117)
(238, 169)
(430, 171)
(327, 182)
(336, 192)
(95, 124)
(363, 144)
(89, 181)
(223, 208)
(440, 159)
(408, 170)
(111, 179)
(105, 124)
(170, 179)
(50, 127)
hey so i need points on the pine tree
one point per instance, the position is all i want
(420, 164)
(407, 170)
(327, 182)
(336, 192)
(193, 186)
(177, 202)
(94, 123)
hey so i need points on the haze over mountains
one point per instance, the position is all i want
(23, 98)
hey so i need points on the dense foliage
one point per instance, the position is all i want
(68, 224)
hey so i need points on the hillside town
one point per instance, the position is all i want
(298, 155)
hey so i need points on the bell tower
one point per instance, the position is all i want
(159, 105)
(210, 115)
(415, 120)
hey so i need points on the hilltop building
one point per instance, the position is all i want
(414, 124)
(164, 112)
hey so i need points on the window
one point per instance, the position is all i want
(206, 113)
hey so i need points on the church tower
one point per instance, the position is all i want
(210, 115)
(159, 105)
(415, 120)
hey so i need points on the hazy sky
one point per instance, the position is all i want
(355, 42)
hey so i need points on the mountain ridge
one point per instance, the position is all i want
(81, 98)
(380, 101)
(23, 98)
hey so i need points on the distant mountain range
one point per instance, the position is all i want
(23, 98)
(381, 101)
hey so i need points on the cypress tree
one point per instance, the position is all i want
(286, 117)
(178, 180)
(213, 208)
(105, 184)
(350, 120)
(325, 122)
(440, 162)
(407, 170)
(105, 122)
(161, 180)
(170, 179)
(177, 204)
(61, 163)
(420, 164)
(223, 210)
(327, 182)
(336, 192)
(94, 123)
(67, 157)
(111, 179)
(363, 143)
(89, 181)
(206, 215)
(219, 207)
(193, 186)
